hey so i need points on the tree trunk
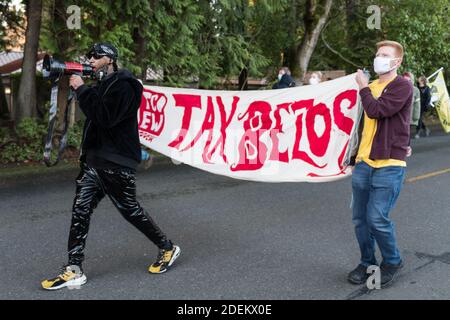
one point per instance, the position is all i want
(291, 61)
(350, 11)
(314, 23)
(72, 114)
(141, 53)
(4, 111)
(243, 79)
(27, 90)
(294, 22)
(63, 94)
(351, 18)
(64, 44)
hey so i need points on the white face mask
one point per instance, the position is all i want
(314, 80)
(382, 65)
(280, 76)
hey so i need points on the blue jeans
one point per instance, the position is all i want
(375, 192)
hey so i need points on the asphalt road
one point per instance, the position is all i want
(239, 239)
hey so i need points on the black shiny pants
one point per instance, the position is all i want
(119, 184)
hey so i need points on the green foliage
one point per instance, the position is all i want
(12, 21)
(425, 33)
(10, 153)
(30, 129)
(75, 135)
(422, 27)
(29, 143)
(205, 40)
(4, 135)
(28, 146)
(186, 39)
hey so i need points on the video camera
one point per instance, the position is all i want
(53, 69)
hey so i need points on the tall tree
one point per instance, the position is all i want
(62, 42)
(233, 39)
(26, 106)
(347, 42)
(4, 111)
(315, 17)
(291, 34)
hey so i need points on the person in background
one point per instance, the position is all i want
(284, 79)
(146, 158)
(315, 78)
(415, 109)
(425, 99)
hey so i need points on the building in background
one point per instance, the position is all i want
(11, 63)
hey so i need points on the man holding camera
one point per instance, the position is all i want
(110, 153)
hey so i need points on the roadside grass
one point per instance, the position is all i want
(11, 171)
(18, 170)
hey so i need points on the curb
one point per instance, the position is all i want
(39, 170)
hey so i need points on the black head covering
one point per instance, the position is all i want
(103, 50)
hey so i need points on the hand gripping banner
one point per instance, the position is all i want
(295, 134)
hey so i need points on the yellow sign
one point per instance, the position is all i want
(441, 101)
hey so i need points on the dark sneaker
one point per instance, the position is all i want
(388, 273)
(71, 277)
(358, 275)
(165, 259)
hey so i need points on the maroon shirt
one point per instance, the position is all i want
(393, 113)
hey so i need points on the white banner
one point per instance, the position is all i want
(294, 134)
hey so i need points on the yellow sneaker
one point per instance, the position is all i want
(165, 259)
(71, 277)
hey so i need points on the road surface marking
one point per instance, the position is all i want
(428, 175)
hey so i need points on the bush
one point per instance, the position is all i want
(31, 130)
(75, 135)
(29, 143)
(3, 135)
